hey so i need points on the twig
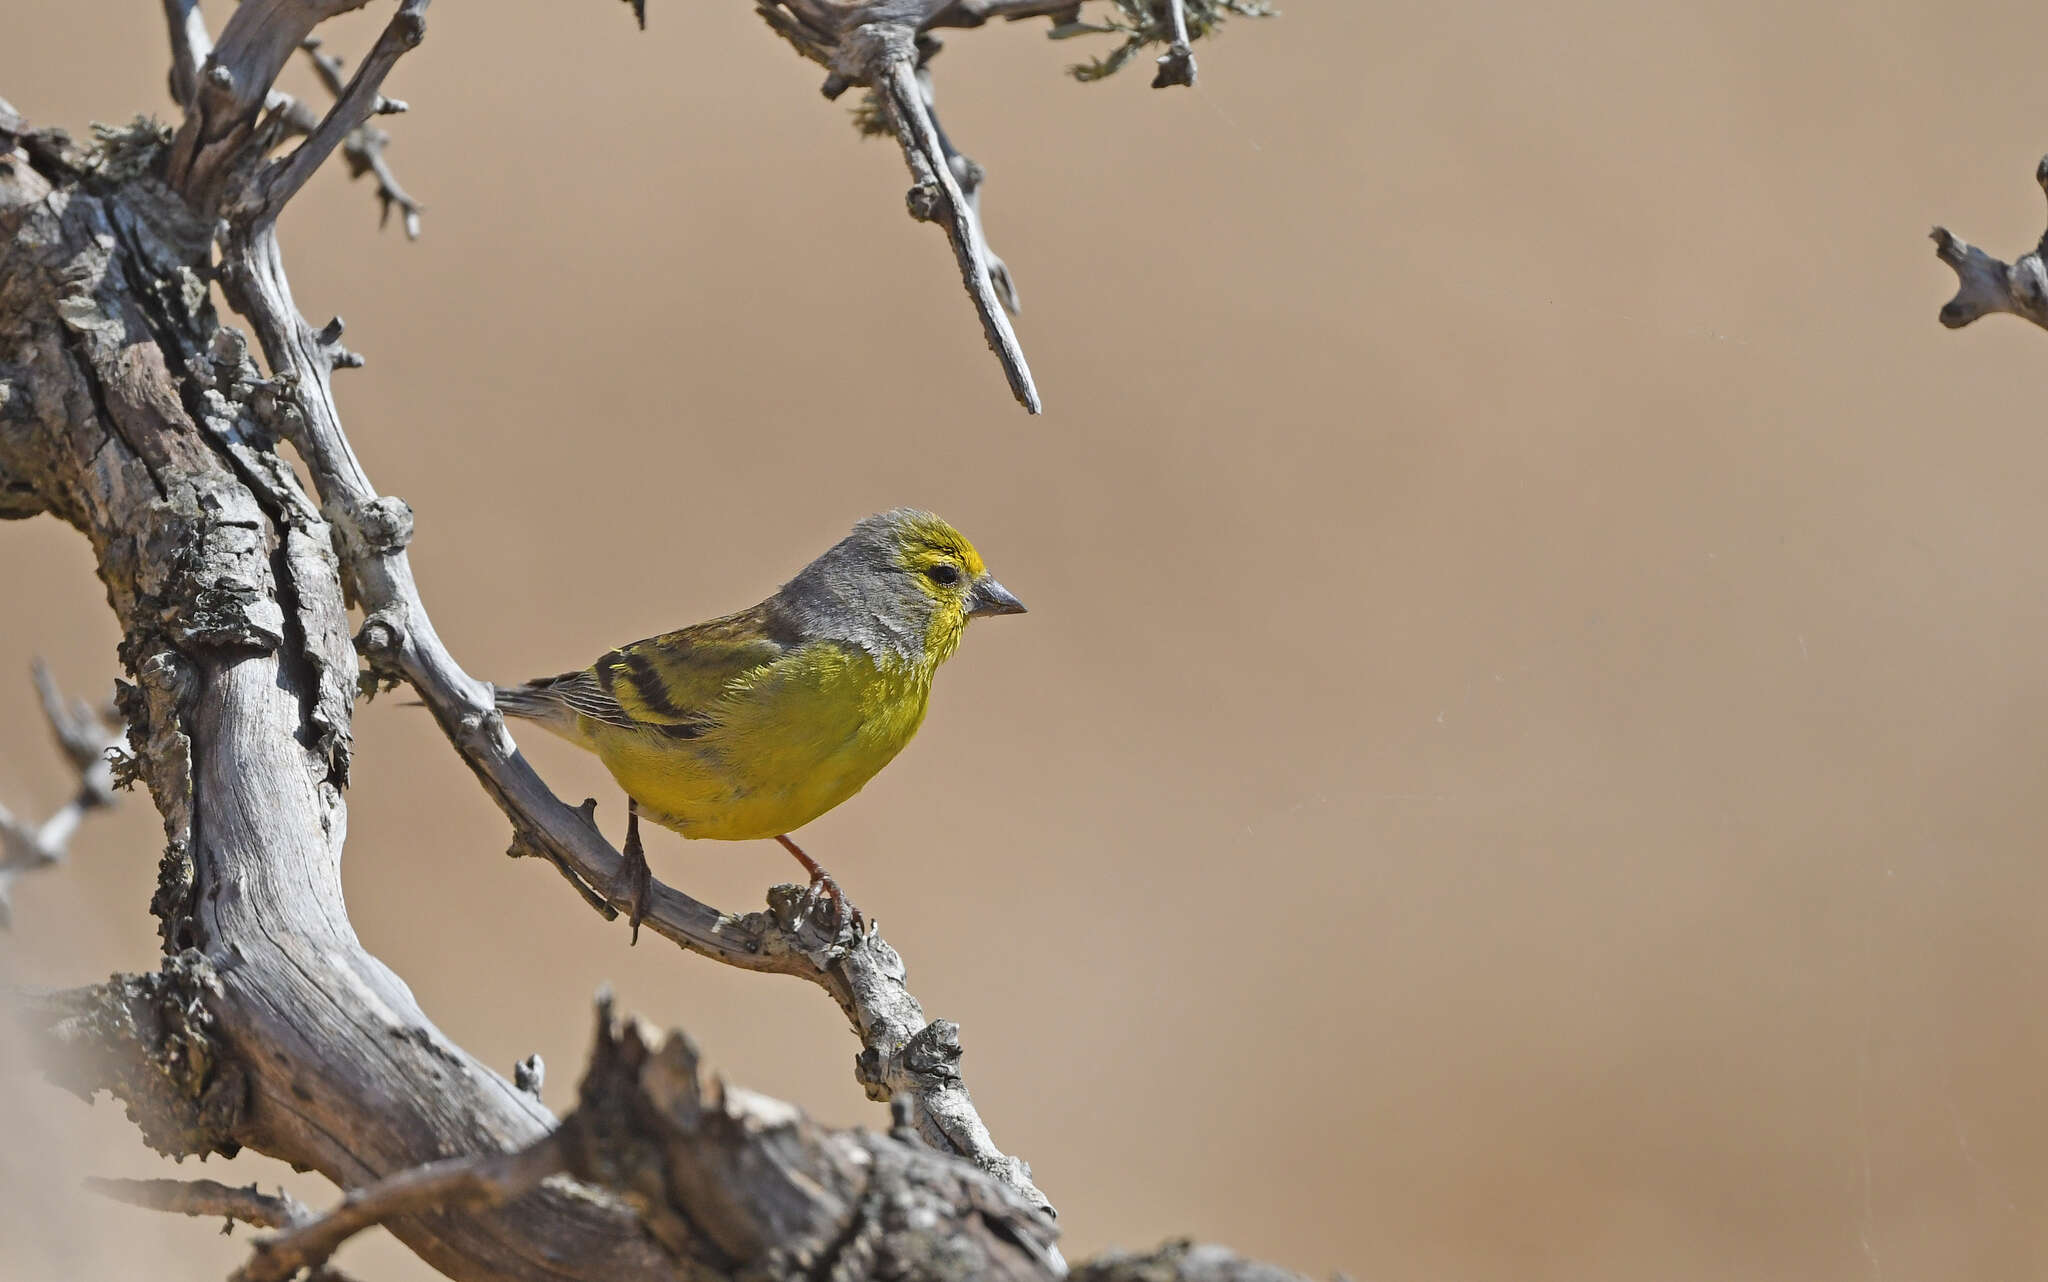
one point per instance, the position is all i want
(359, 100)
(330, 69)
(973, 13)
(364, 148)
(487, 1180)
(85, 735)
(970, 175)
(1987, 285)
(1177, 64)
(190, 47)
(884, 58)
(278, 1210)
(232, 87)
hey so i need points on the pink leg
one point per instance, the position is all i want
(822, 886)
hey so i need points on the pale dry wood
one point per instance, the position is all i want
(1986, 286)
(886, 46)
(1177, 64)
(245, 1205)
(126, 410)
(437, 1187)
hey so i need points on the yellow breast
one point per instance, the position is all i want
(791, 740)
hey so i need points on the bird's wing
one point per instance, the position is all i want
(673, 683)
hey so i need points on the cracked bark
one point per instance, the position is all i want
(128, 411)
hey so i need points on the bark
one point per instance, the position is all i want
(130, 412)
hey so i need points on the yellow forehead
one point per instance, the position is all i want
(927, 540)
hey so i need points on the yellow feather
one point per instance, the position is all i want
(755, 724)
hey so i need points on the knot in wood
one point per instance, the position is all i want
(384, 525)
(866, 52)
(382, 634)
(925, 200)
(934, 1051)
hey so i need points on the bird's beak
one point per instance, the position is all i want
(990, 597)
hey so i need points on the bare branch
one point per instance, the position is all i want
(244, 678)
(277, 1210)
(486, 1180)
(973, 13)
(969, 175)
(871, 43)
(359, 100)
(190, 47)
(1177, 64)
(364, 148)
(1987, 285)
(87, 736)
(885, 58)
(234, 86)
(333, 73)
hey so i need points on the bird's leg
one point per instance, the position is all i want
(635, 880)
(822, 886)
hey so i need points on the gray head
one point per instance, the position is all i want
(904, 583)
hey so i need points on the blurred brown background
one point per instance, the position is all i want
(1525, 758)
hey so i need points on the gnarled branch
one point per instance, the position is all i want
(1987, 285)
(887, 46)
(134, 416)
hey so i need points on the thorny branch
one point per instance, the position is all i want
(364, 148)
(157, 436)
(86, 735)
(1987, 285)
(887, 46)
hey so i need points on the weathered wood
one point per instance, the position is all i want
(128, 411)
(1986, 286)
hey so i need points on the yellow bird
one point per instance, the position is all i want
(752, 725)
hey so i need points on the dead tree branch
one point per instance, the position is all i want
(363, 149)
(887, 46)
(1987, 285)
(487, 1180)
(86, 736)
(247, 1205)
(742, 1185)
(129, 412)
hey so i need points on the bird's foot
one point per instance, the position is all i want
(824, 889)
(635, 881)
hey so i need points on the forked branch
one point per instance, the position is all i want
(151, 430)
(1987, 285)
(887, 46)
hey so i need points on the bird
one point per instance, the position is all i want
(750, 726)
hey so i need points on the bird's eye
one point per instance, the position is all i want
(943, 574)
